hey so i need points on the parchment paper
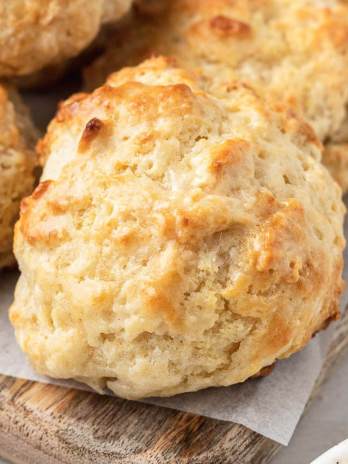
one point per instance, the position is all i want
(271, 406)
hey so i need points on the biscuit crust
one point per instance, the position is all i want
(17, 138)
(294, 49)
(177, 240)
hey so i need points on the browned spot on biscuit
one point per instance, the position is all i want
(165, 286)
(42, 150)
(185, 221)
(308, 132)
(38, 192)
(35, 220)
(281, 244)
(294, 124)
(146, 142)
(40, 232)
(333, 29)
(92, 129)
(67, 109)
(161, 304)
(167, 226)
(127, 239)
(278, 335)
(25, 204)
(229, 152)
(41, 189)
(227, 27)
(267, 205)
(144, 99)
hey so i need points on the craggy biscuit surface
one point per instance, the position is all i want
(177, 240)
(38, 33)
(17, 137)
(295, 49)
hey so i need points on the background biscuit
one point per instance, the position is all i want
(17, 138)
(35, 34)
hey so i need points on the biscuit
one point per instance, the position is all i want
(36, 33)
(17, 137)
(336, 160)
(177, 240)
(295, 49)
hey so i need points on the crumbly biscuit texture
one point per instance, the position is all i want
(295, 49)
(39, 33)
(17, 137)
(177, 240)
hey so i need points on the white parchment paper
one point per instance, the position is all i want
(271, 406)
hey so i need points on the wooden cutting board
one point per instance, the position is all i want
(46, 424)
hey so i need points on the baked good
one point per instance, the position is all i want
(296, 49)
(335, 158)
(177, 240)
(39, 33)
(17, 137)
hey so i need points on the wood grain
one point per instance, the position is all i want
(52, 425)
